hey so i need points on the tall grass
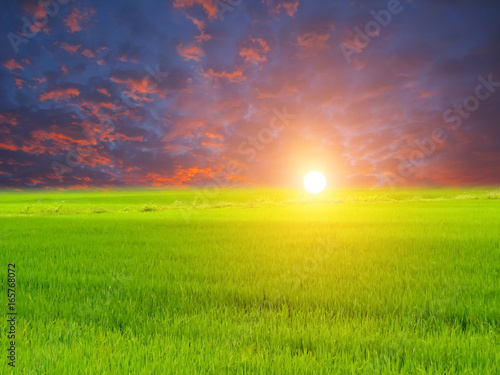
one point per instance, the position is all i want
(119, 282)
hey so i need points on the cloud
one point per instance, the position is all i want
(191, 52)
(209, 6)
(181, 177)
(312, 40)
(88, 53)
(236, 76)
(289, 7)
(78, 18)
(13, 65)
(8, 119)
(59, 94)
(255, 51)
(19, 83)
(104, 91)
(70, 48)
(139, 88)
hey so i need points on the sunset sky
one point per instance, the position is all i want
(193, 92)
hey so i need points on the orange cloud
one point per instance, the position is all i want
(218, 146)
(8, 144)
(212, 140)
(199, 23)
(13, 162)
(255, 53)
(95, 160)
(311, 40)
(102, 111)
(235, 77)
(251, 55)
(36, 180)
(12, 64)
(289, 7)
(77, 18)
(214, 136)
(262, 43)
(203, 37)
(181, 177)
(19, 83)
(126, 58)
(37, 12)
(39, 81)
(60, 94)
(34, 8)
(88, 53)
(122, 137)
(191, 52)
(188, 176)
(42, 135)
(70, 48)
(11, 120)
(138, 88)
(104, 91)
(209, 6)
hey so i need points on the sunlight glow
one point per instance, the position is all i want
(315, 182)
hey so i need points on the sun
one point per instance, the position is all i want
(315, 182)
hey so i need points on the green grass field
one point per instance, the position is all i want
(254, 281)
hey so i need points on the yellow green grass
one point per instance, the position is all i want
(260, 281)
